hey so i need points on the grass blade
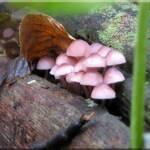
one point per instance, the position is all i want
(137, 109)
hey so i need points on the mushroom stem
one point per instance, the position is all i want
(90, 88)
(74, 87)
(103, 102)
(104, 70)
(77, 87)
(113, 86)
(63, 82)
(86, 92)
(31, 66)
(46, 74)
(100, 102)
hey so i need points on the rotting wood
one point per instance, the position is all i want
(31, 114)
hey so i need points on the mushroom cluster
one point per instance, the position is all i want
(91, 66)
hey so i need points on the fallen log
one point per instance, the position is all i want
(33, 110)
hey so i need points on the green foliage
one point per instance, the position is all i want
(137, 109)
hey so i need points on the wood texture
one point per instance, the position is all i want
(34, 113)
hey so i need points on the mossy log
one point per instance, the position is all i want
(32, 113)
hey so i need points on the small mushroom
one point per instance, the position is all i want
(8, 33)
(74, 79)
(103, 52)
(63, 58)
(115, 58)
(94, 61)
(53, 70)
(78, 48)
(64, 69)
(103, 91)
(91, 78)
(80, 66)
(94, 48)
(61, 72)
(45, 63)
(113, 75)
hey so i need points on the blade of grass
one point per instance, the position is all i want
(137, 109)
(61, 8)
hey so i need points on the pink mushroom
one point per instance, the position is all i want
(113, 75)
(8, 33)
(80, 66)
(103, 91)
(94, 48)
(74, 80)
(94, 61)
(64, 69)
(74, 77)
(61, 71)
(115, 58)
(78, 48)
(103, 52)
(91, 78)
(53, 71)
(63, 58)
(45, 63)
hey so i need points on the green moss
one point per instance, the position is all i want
(119, 30)
(107, 36)
(99, 8)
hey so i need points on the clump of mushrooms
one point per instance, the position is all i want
(91, 66)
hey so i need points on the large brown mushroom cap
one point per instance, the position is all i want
(41, 35)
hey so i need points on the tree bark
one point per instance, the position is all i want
(32, 113)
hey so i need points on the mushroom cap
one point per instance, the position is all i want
(103, 91)
(78, 48)
(94, 48)
(113, 75)
(91, 78)
(63, 58)
(94, 61)
(74, 77)
(53, 70)
(8, 32)
(63, 69)
(79, 66)
(115, 58)
(103, 52)
(45, 63)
